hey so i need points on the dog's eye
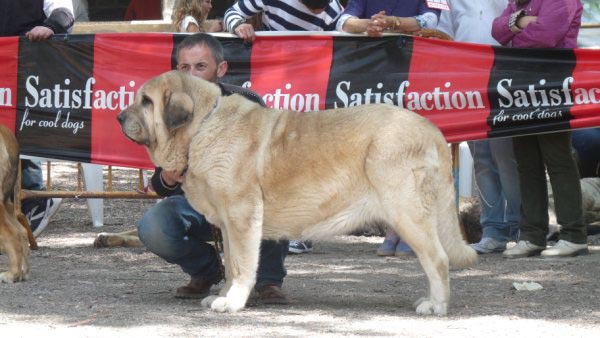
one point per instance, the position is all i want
(146, 101)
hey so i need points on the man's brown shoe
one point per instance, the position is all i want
(197, 288)
(269, 294)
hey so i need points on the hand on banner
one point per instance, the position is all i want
(246, 32)
(377, 24)
(172, 177)
(39, 33)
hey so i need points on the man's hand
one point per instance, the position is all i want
(39, 33)
(246, 32)
(377, 24)
(172, 177)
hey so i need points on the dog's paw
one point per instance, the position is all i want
(207, 302)
(101, 240)
(427, 307)
(222, 304)
(7, 277)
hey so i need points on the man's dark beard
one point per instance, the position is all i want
(522, 3)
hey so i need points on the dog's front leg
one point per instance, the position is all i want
(242, 235)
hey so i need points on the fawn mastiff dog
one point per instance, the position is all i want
(13, 237)
(262, 173)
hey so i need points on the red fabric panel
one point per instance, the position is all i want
(122, 63)
(9, 48)
(456, 71)
(586, 89)
(292, 73)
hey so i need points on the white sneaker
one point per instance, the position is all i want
(523, 249)
(565, 249)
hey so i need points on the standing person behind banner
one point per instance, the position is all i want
(38, 20)
(189, 16)
(144, 10)
(494, 160)
(80, 10)
(377, 16)
(545, 24)
(285, 15)
(176, 232)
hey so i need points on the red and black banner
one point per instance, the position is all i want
(61, 96)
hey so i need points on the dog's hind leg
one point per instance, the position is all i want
(407, 206)
(425, 243)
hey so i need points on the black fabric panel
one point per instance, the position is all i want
(385, 61)
(529, 91)
(50, 121)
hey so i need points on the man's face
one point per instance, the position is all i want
(199, 61)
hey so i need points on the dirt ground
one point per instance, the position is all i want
(342, 289)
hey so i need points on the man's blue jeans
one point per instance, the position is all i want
(176, 232)
(497, 179)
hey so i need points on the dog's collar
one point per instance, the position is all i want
(214, 108)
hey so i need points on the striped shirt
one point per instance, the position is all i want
(286, 15)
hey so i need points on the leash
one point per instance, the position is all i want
(218, 240)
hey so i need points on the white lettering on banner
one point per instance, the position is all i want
(5, 97)
(291, 101)
(534, 97)
(87, 98)
(28, 121)
(437, 99)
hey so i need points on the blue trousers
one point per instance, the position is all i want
(176, 232)
(497, 179)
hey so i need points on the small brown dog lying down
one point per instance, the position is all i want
(261, 173)
(13, 237)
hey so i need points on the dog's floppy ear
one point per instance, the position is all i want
(179, 109)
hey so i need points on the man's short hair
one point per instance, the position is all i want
(206, 40)
(316, 4)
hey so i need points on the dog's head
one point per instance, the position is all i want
(166, 112)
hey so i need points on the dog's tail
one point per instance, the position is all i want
(460, 254)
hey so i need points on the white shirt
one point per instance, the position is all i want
(187, 20)
(50, 5)
(471, 20)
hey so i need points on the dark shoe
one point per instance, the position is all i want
(403, 250)
(38, 214)
(197, 288)
(269, 294)
(299, 247)
(387, 248)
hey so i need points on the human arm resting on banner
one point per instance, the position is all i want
(59, 20)
(236, 16)
(381, 22)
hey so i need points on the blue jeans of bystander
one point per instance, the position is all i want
(498, 184)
